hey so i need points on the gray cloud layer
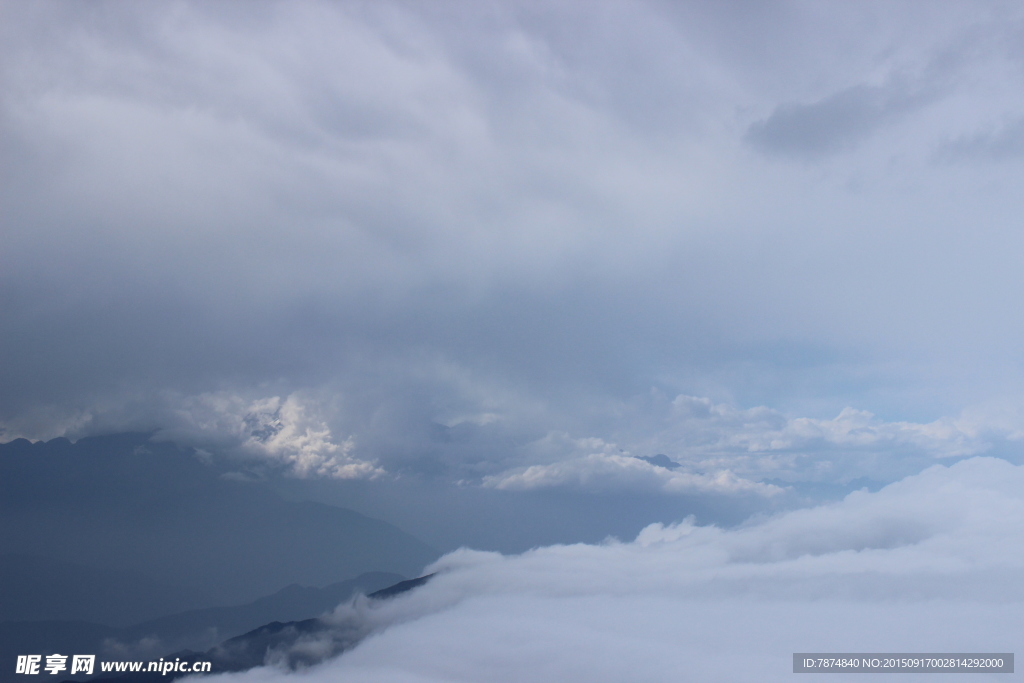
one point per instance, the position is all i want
(464, 241)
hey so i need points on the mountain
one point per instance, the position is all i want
(291, 644)
(46, 638)
(166, 532)
(193, 630)
(34, 588)
(203, 628)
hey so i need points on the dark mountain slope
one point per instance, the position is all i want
(292, 644)
(34, 588)
(201, 629)
(194, 630)
(128, 506)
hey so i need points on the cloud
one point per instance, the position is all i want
(927, 564)
(763, 429)
(287, 432)
(762, 443)
(835, 122)
(603, 472)
(1002, 143)
(470, 232)
(726, 449)
(455, 428)
(199, 200)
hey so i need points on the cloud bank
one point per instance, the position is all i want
(501, 442)
(710, 447)
(931, 563)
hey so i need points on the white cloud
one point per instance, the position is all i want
(724, 448)
(605, 472)
(929, 564)
(698, 421)
(289, 432)
(761, 442)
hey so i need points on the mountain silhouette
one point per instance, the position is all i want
(293, 644)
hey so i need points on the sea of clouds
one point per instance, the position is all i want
(931, 563)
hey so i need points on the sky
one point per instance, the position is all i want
(518, 246)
